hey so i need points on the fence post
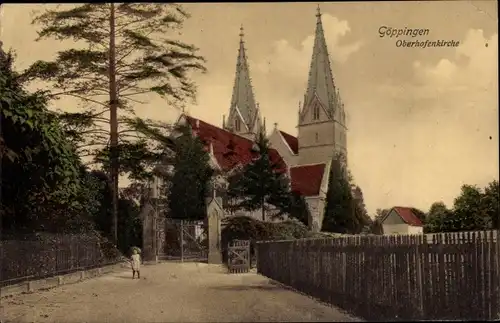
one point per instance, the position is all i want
(418, 258)
(497, 271)
(182, 240)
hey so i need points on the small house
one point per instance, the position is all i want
(402, 220)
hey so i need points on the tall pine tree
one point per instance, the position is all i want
(260, 184)
(121, 53)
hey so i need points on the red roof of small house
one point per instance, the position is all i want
(292, 142)
(408, 216)
(306, 179)
(229, 149)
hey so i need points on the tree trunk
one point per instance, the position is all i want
(263, 210)
(113, 121)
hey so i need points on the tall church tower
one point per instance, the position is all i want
(244, 116)
(322, 127)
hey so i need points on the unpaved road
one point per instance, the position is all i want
(170, 292)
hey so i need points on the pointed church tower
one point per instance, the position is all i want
(244, 115)
(321, 128)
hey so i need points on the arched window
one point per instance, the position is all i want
(316, 112)
(237, 124)
(317, 137)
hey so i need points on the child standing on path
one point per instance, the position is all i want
(136, 263)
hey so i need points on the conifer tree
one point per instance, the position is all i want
(344, 212)
(261, 183)
(122, 53)
(186, 171)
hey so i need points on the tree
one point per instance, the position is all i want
(473, 209)
(376, 226)
(41, 184)
(491, 204)
(298, 208)
(189, 184)
(129, 224)
(381, 213)
(340, 211)
(260, 184)
(184, 167)
(360, 210)
(468, 211)
(102, 217)
(439, 219)
(122, 52)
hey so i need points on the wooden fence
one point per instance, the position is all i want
(453, 276)
(36, 257)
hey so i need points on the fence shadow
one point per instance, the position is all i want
(242, 288)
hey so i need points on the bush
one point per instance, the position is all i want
(248, 228)
(287, 230)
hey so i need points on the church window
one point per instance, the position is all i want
(237, 124)
(317, 137)
(316, 112)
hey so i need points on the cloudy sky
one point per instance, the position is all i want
(422, 122)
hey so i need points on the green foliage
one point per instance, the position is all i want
(360, 212)
(42, 184)
(299, 209)
(343, 213)
(243, 228)
(287, 230)
(468, 211)
(490, 204)
(260, 183)
(149, 59)
(473, 209)
(102, 217)
(248, 228)
(190, 179)
(439, 219)
(136, 159)
(129, 225)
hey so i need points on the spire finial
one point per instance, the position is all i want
(318, 12)
(241, 33)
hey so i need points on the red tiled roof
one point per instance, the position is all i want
(408, 216)
(229, 149)
(306, 180)
(292, 142)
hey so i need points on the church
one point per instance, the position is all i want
(321, 130)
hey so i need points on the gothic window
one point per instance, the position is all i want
(237, 124)
(315, 112)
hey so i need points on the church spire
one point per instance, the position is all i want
(243, 107)
(320, 81)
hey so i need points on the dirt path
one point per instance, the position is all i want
(169, 292)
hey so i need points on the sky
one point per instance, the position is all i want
(422, 121)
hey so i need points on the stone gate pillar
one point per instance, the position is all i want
(214, 216)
